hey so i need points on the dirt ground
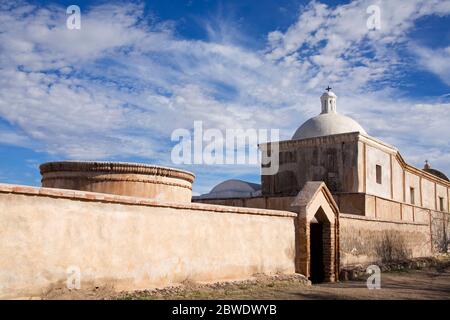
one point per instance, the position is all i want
(417, 284)
(428, 283)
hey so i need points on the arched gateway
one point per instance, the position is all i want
(317, 248)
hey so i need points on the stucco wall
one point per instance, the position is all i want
(376, 157)
(271, 203)
(332, 159)
(365, 240)
(347, 164)
(387, 221)
(440, 229)
(428, 194)
(133, 243)
(441, 191)
(120, 178)
(397, 177)
(397, 180)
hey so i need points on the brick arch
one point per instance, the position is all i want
(315, 204)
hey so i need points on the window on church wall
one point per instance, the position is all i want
(411, 195)
(379, 174)
(441, 203)
(281, 158)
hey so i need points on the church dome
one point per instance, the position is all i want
(233, 188)
(434, 172)
(327, 123)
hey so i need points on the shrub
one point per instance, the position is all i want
(392, 247)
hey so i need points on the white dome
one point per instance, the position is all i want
(326, 124)
(233, 188)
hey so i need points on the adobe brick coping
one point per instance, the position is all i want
(373, 219)
(109, 198)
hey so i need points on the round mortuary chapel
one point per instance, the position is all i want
(120, 178)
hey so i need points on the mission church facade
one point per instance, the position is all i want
(368, 179)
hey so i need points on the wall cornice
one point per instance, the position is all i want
(394, 151)
(115, 167)
(109, 198)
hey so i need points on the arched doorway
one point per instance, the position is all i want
(317, 273)
(317, 243)
(318, 235)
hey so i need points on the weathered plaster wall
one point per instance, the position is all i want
(332, 159)
(376, 157)
(383, 208)
(387, 222)
(366, 240)
(386, 209)
(271, 203)
(354, 203)
(133, 243)
(120, 178)
(347, 164)
(361, 167)
(397, 180)
(428, 194)
(441, 191)
(440, 231)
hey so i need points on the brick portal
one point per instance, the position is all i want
(317, 212)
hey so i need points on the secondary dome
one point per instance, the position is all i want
(329, 122)
(233, 188)
(434, 172)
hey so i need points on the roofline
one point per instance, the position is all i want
(376, 143)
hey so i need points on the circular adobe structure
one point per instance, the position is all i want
(120, 178)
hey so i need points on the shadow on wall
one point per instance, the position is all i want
(440, 234)
(392, 247)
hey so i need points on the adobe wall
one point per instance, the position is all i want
(332, 159)
(133, 243)
(387, 223)
(369, 240)
(347, 163)
(120, 178)
(440, 231)
(271, 203)
(399, 181)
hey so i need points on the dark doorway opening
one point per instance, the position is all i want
(317, 273)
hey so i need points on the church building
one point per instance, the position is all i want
(368, 179)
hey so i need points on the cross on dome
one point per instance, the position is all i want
(328, 122)
(328, 100)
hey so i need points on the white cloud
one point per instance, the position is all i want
(119, 86)
(437, 61)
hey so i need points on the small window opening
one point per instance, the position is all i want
(379, 174)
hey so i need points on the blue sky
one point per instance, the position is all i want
(117, 88)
